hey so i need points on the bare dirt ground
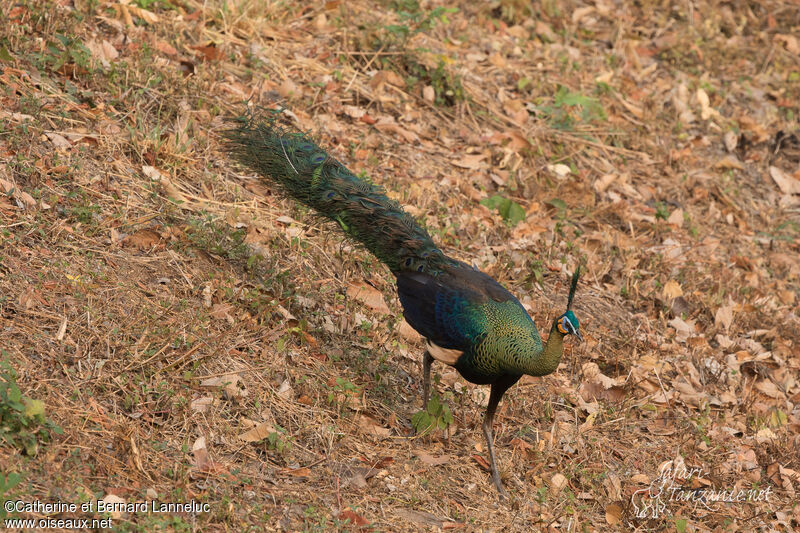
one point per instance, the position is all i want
(173, 331)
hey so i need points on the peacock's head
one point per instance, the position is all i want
(568, 323)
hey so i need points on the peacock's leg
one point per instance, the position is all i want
(488, 420)
(427, 359)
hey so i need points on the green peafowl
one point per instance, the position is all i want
(469, 320)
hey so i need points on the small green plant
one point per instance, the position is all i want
(436, 415)
(511, 11)
(511, 211)
(537, 272)
(278, 440)
(65, 50)
(150, 4)
(22, 421)
(447, 87)
(85, 214)
(569, 107)
(345, 386)
(414, 20)
(560, 206)
(662, 211)
(214, 236)
(342, 392)
(7, 482)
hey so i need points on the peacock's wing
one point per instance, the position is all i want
(448, 308)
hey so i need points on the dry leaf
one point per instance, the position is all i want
(592, 390)
(258, 433)
(418, 517)
(288, 89)
(103, 52)
(58, 140)
(790, 42)
(114, 502)
(24, 200)
(429, 94)
(769, 388)
(370, 425)
(676, 218)
(386, 76)
(408, 333)
(353, 518)
(147, 16)
(285, 390)
(724, 316)
(368, 295)
(152, 172)
(202, 404)
(431, 460)
(471, 161)
(354, 112)
(672, 289)
(592, 373)
(296, 472)
(613, 485)
(614, 514)
(603, 182)
(731, 140)
(144, 239)
(200, 453)
(683, 329)
(232, 388)
(481, 462)
(729, 161)
(706, 111)
(558, 482)
(165, 48)
(786, 183)
(388, 124)
(560, 170)
(209, 52)
(765, 435)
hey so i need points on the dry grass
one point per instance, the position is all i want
(162, 304)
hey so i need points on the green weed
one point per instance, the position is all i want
(436, 415)
(23, 423)
(511, 211)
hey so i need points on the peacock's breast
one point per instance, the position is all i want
(510, 338)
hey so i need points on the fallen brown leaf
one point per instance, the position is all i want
(369, 295)
(431, 460)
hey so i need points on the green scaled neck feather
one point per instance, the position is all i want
(540, 360)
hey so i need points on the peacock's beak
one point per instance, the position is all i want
(577, 334)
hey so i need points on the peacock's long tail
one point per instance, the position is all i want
(305, 172)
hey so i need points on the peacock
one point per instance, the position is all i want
(469, 320)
